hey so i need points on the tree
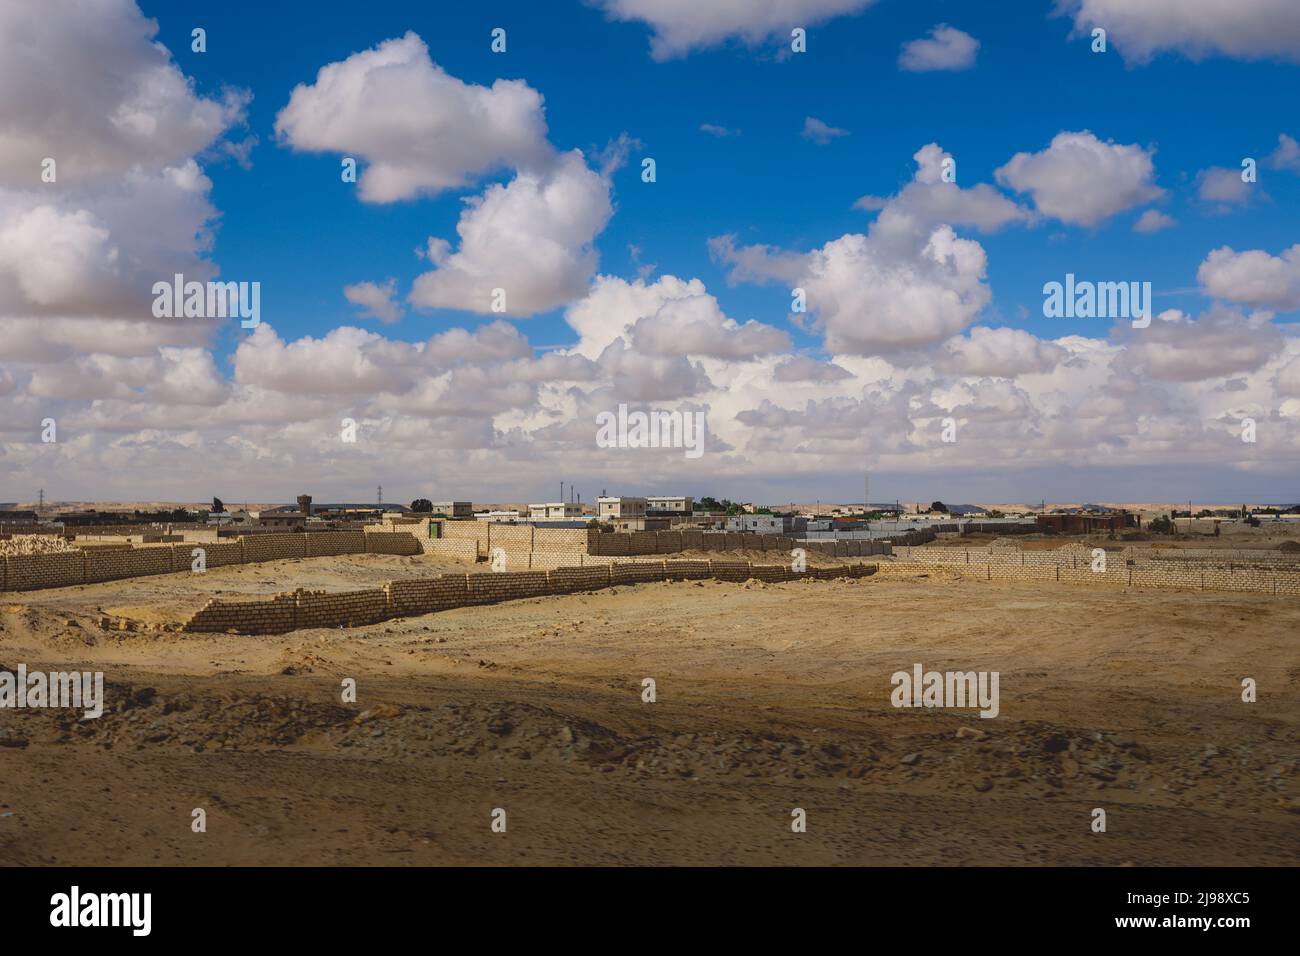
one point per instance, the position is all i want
(422, 506)
(940, 507)
(1160, 525)
(217, 505)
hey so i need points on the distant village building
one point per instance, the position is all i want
(454, 509)
(669, 504)
(1079, 523)
(505, 514)
(555, 509)
(610, 508)
(761, 524)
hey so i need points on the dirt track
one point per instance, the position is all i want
(769, 698)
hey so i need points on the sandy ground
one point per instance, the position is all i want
(770, 697)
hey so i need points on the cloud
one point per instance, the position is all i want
(696, 325)
(801, 368)
(531, 238)
(668, 318)
(947, 49)
(1081, 180)
(420, 130)
(91, 90)
(1002, 353)
(681, 26)
(647, 378)
(1153, 220)
(910, 283)
(1221, 342)
(1253, 277)
(1224, 186)
(929, 201)
(1243, 29)
(1287, 381)
(1287, 154)
(870, 298)
(819, 132)
(721, 132)
(494, 342)
(376, 301)
(346, 361)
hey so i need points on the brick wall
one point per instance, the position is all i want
(320, 543)
(216, 553)
(425, 596)
(25, 572)
(300, 609)
(274, 616)
(347, 608)
(104, 564)
(686, 570)
(463, 549)
(566, 580)
(636, 572)
(1074, 566)
(274, 547)
(392, 542)
(506, 586)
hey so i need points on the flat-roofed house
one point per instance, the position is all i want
(617, 507)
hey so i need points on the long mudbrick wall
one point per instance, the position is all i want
(1122, 569)
(528, 547)
(29, 572)
(303, 609)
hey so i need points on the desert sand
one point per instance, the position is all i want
(769, 698)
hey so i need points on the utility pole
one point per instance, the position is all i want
(381, 495)
(40, 503)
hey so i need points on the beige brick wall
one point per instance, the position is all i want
(346, 609)
(273, 547)
(392, 542)
(335, 542)
(299, 609)
(25, 572)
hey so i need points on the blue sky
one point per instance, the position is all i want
(292, 219)
(925, 303)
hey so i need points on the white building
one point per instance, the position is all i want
(507, 515)
(609, 508)
(669, 503)
(555, 509)
(454, 509)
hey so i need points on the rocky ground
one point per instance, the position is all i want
(769, 698)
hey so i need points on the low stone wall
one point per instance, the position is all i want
(1073, 565)
(391, 542)
(106, 562)
(302, 609)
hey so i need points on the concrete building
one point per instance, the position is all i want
(649, 523)
(555, 509)
(669, 504)
(512, 514)
(762, 524)
(1087, 523)
(607, 509)
(454, 509)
